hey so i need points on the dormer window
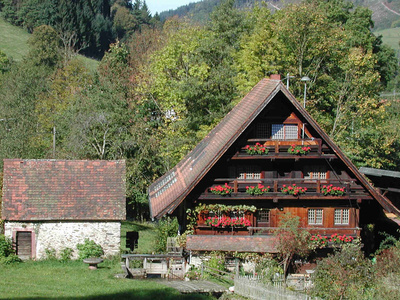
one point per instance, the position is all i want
(284, 131)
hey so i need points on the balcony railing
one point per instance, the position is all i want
(201, 229)
(279, 149)
(314, 188)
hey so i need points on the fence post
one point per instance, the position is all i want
(237, 266)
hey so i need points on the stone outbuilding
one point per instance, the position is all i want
(56, 204)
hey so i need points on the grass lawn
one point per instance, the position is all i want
(14, 43)
(73, 280)
(147, 236)
(13, 40)
(390, 36)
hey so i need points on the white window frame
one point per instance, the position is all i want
(315, 216)
(342, 216)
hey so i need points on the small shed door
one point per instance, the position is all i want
(24, 244)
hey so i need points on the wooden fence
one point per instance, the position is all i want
(252, 287)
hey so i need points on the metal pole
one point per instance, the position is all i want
(287, 81)
(54, 141)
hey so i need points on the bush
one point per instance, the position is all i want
(167, 227)
(50, 254)
(66, 254)
(5, 246)
(12, 258)
(89, 249)
(345, 275)
(7, 253)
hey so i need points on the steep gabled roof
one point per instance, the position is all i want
(166, 193)
(63, 190)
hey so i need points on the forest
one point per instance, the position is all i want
(160, 87)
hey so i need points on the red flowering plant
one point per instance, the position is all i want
(257, 149)
(221, 190)
(293, 190)
(227, 222)
(299, 150)
(333, 190)
(257, 190)
(321, 241)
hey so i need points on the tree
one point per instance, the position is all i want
(45, 47)
(344, 275)
(291, 240)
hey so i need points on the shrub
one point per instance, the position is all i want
(5, 246)
(194, 273)
(66, 254)
(12, 258)
(344, 275)
(7, 253)
(217, 261)
(89, 249)
(167, 227)
(50, 254)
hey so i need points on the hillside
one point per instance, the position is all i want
(14, 43)
(14, 40)
(385, 13)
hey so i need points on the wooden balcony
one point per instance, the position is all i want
(314, 189)
(354, 232)
(202, 229)
(278, 149)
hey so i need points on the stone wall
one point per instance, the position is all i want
(61, 235)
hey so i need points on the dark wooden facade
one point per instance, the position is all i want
(277, 122)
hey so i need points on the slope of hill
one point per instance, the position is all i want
(14, 43)
(385, 13)
(390, 37)
(13, 40)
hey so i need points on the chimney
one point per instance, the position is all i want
(275, 77)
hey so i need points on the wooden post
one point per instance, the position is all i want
(235, 186)
(237, 266)
(275, 186)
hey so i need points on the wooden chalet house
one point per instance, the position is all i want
(267, 157)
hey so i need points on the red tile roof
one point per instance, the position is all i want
(239, 243)
(63, 190)
(166, 193)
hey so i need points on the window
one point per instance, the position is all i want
(342, 216)
(315, 216)
(315, 172)
(284, 131)
(263, 131)
(263, 216)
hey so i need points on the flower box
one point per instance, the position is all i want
(222, 190)
(322, 241)
(333, 190)
(257, 149)
(227, 222)
(257, 190)
(293, 190)
(299, 150)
